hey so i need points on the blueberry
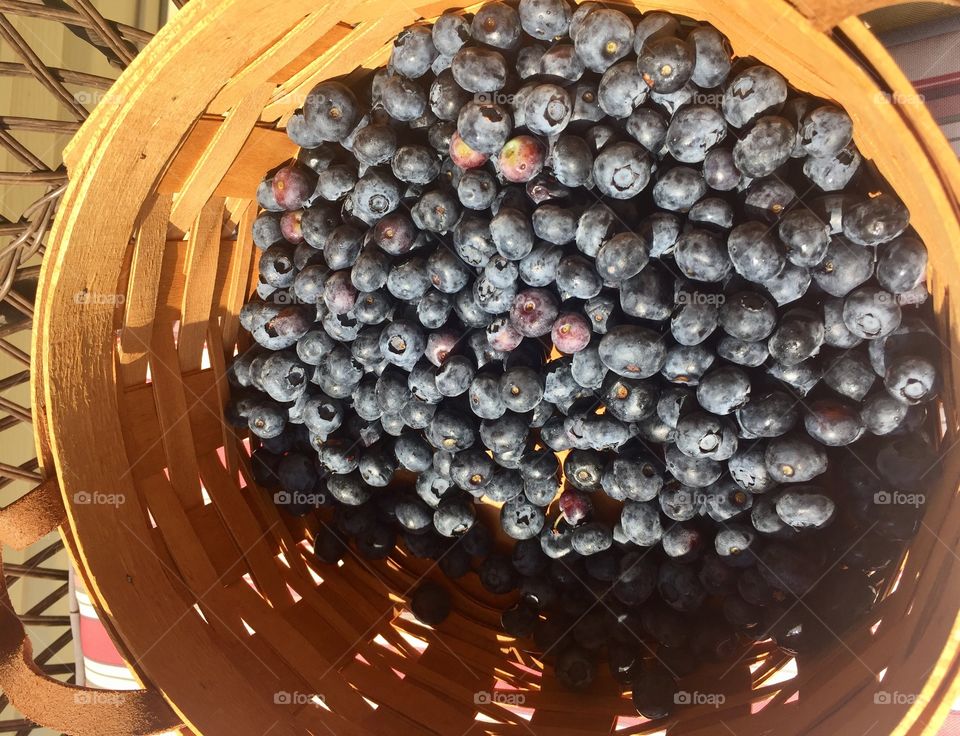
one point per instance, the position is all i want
(765, 147)
(448, 273)
(720, 171)
(712, 56)
(373, 144)
(331, 111)
(911, 379)
(521, 519)
(769, 415)
(805, 507)
(850, 375)
(413, 52)
(621, 170)
(641, 523)
(437, 211)
(801, 377)
(476, 189)
(679, 586)
(665, 64)
(702, 435)
(636, 479)
(504, 434)
(502, 335)
(797, 338)
(455, 375)
(649, 294)
(496, 24)
(403, 99)
(528, 60)
(754, 251)
(571, 161)
(433, 309)
(484, 126)
(724, 390)
(512, 233)
(694, 322)
(792, 459)
(873, 221)
(649, 128)
(632, 351)
(751, 93)
(621, 89)
(652, 26)
(825, 131)
(545, 19)
(277, 267)
(479, 70)
(835, 173)
(576, 277)
(700, 255)
(693, 131)
(789, 285)
(901, 264)
(748, 316)
(521, 388)
(599, 311)
(473, 240)
(450, 32)
(686, 365)
(870, 313)
(602, 38)
(679, 188)
(454, 515)
(749, 470)
(554, 224)
(266, 230)
(833, 423)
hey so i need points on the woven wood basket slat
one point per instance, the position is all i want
(196, 558)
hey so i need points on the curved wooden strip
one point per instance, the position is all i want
(32, 516)
(76, 710)
(825, 14)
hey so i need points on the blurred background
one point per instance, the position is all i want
(56, 40)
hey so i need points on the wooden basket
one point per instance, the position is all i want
(210, 593)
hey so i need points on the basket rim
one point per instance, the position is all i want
(103, 143)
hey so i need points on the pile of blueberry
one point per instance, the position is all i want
(639, 294)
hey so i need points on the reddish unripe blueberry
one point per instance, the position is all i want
(339, 293)
(292, 187)
(394, 233)
(570, 333)
(521, 158)
(575, 506)
(290, 227)
(534, 311)
(463, 156)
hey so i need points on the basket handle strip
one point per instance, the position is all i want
(42, 699)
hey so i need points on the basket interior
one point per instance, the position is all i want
(318, 649)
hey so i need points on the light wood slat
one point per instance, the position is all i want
(142, 289)
(265, 149)
(235, 291)
(341, 58)
(295, 44)
(203, 253)
(208, 171)
(191, 566)
(247, 533)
